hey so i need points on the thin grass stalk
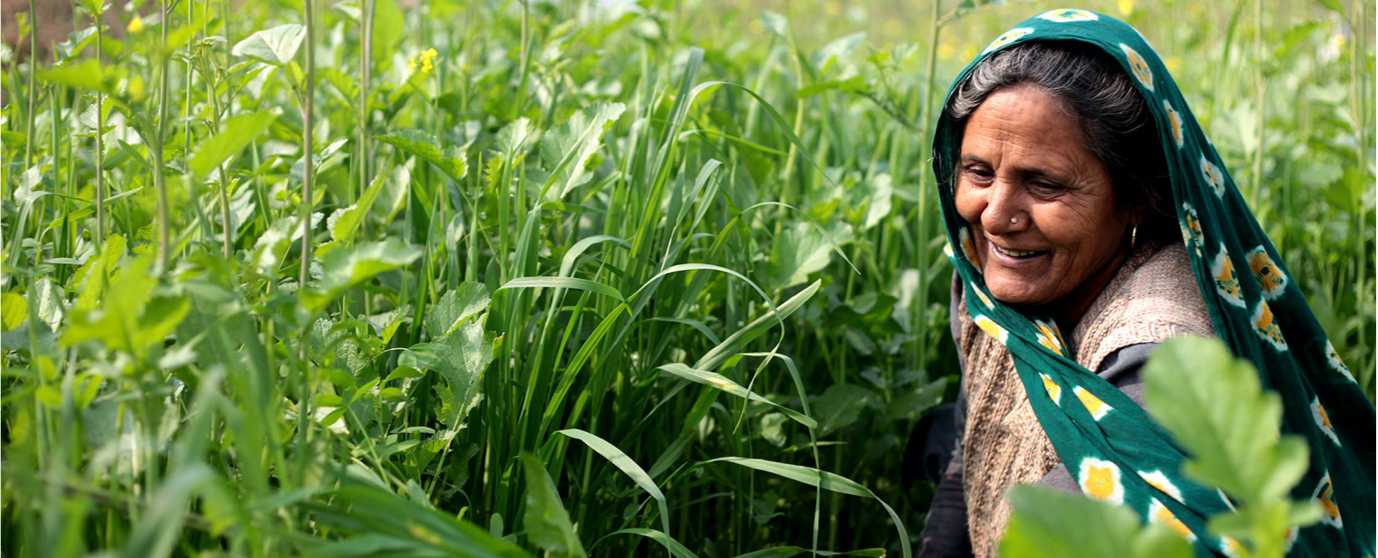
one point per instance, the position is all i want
(156, 146)
(308, 123)
(32, 89)
(1260, 97)
(100, 130)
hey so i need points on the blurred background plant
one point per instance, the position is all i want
(579, 277)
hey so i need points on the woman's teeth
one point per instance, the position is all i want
(1016, 253)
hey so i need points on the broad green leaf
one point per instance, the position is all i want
(1048, 522)
(420, 144)
(344, 223)
(626, 465)
(546, 521)
(1214, 406)
(15, 310)
(460, 357)
(831, 482)
(571, 147)
(345, 268)
(130, 318)
(91, 278)
(725, 384)
(82, 74)
(840, 406)
(274, 46)
(237, 133)
(455, 308)
(800, 251)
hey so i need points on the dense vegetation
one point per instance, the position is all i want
(572, 277)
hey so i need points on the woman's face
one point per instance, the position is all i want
(1040, 204)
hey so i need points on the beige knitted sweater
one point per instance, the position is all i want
(1153, 297)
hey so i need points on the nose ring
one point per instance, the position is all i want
(1014, 220)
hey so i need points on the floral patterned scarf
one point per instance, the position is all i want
(1108, 442)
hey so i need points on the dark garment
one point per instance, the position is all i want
(945, 532)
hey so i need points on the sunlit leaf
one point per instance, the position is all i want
(277, 45)
(237, 133)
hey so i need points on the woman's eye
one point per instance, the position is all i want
(978, 174)
(1044, 187)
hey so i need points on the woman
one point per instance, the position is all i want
(1084, 199)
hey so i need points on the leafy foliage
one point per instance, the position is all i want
(554, 246)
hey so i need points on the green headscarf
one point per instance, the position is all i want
(1108, 442)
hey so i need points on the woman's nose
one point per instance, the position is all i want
(1005, 210)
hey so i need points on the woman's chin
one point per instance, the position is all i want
(1018, 293)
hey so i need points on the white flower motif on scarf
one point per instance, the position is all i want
(1191, 228)
(1097, 408)
(1266, 325)
(1322, 419)
(992, 329)
(1270, 278)
(1008, 37)
(1230, 547)
(1049, 337)
(1158, 480)
(1158, 513)
(1054, 390)
(1214, 176)
(968, 248)
(1337, 364)
(1226, 283)
(1325, 497)
(1174, 120)
(1068, 16)
(1138, 66)
(1100, 479)
(981, 295)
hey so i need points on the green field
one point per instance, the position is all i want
(612, 278)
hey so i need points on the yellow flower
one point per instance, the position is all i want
(1126, 7)
(428, 60)
(136, 25)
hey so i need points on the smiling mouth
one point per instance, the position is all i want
(1017, 254)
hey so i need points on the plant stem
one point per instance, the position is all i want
(33, 89)
(100, 135)
(308, 92)
(156, 146)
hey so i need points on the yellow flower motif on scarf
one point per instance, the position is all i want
(1336, 363)
(968, 247)
(1176, 121)
(1213, 176)
(1191, 227)
(1139, 66)
(1068, 16)
(1049, 336)
(992, 329)
(1158, 480)
(1008, 37)
(1222, 269)
(1230, 546)
(1322, 419)
(1100, 479)
(1093, 404)
(1325, 496)
(1269, 276)
(1054, 390)
(1158, 513)
(1267, 326)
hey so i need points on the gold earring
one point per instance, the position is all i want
(1133, 236)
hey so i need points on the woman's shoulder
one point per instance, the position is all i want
(1153, 298)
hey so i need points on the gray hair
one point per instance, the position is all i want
(1115, 120)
